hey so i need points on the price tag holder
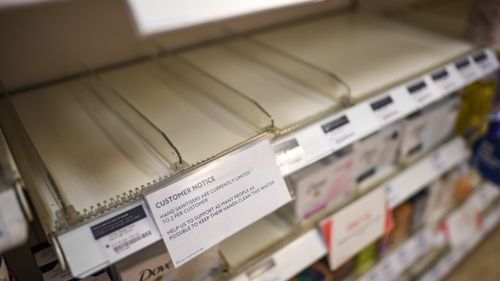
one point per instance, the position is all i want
(385, 109)
(486, 61)
(467, 70)
(421, 92)
(356, 226)
(125, 233)
(446, 81)
(289, 156)
(340, 132)
(198, 209)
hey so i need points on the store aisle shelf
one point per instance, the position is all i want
(305, 146)
(114, 112)
(408, 182)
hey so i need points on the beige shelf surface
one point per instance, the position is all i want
(196, 124)
(88, 163)
(366, 51)
(285, 99)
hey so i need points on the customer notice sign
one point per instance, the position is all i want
(199, 209)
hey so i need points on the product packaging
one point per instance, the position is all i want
(367, 151)
(401, 215)
(326, 182)
(442, 117)
(418, 204)
(46, 259)
(316, 272)
(389, 145)
(463, 186)
(150, 264)
(345, 270)
(413, 139)
(365, 259)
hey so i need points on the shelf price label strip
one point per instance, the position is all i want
(333, 133)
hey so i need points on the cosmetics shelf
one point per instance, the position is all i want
(307, 238)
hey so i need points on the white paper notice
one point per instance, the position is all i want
(462, 224)
(200, 209)
(356, 226)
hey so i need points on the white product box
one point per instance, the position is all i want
(413, 138)
(367, 151)
(323, 183)
(441, 196)
(390, 142)
(442, 117)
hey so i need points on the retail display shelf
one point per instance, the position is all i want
(409, 182)
(445, 264)
(83, 261)
(420, 174)
(93, 147)
(305, 146)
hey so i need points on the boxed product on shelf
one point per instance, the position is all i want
(442, 196)
(324, 183)
(442, 116)
(366, 258)
(390, 145)
(384, 244)
(367, 151)
(418, 205)
(401, 223)
(316, 272)
(152, 263)
(51, 270)
(345, 270)
(463, 183)
(376, 154)
(413, 139)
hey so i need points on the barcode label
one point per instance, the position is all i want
(468, 72)
(385, 109)
(120, 247)
(420, 92)
(340, 132)
(289, 156)
(125, 233)
(445, 82)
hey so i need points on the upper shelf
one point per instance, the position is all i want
(367, 52)
(290, 90)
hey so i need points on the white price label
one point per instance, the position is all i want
(289, 156)
(356, 226)
(421, 92)
(197, 210)
(485, 61)
(467, 70)
(125, 233)
(385, 109)
(340, 132)
(445, 82)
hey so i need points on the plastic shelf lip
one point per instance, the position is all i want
(343, 128)
(291, 259)
(485, 60)
(423, 172)
(13, 225)
(86, 255)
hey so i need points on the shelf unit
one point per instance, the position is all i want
(89, 148)
(409, 182)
